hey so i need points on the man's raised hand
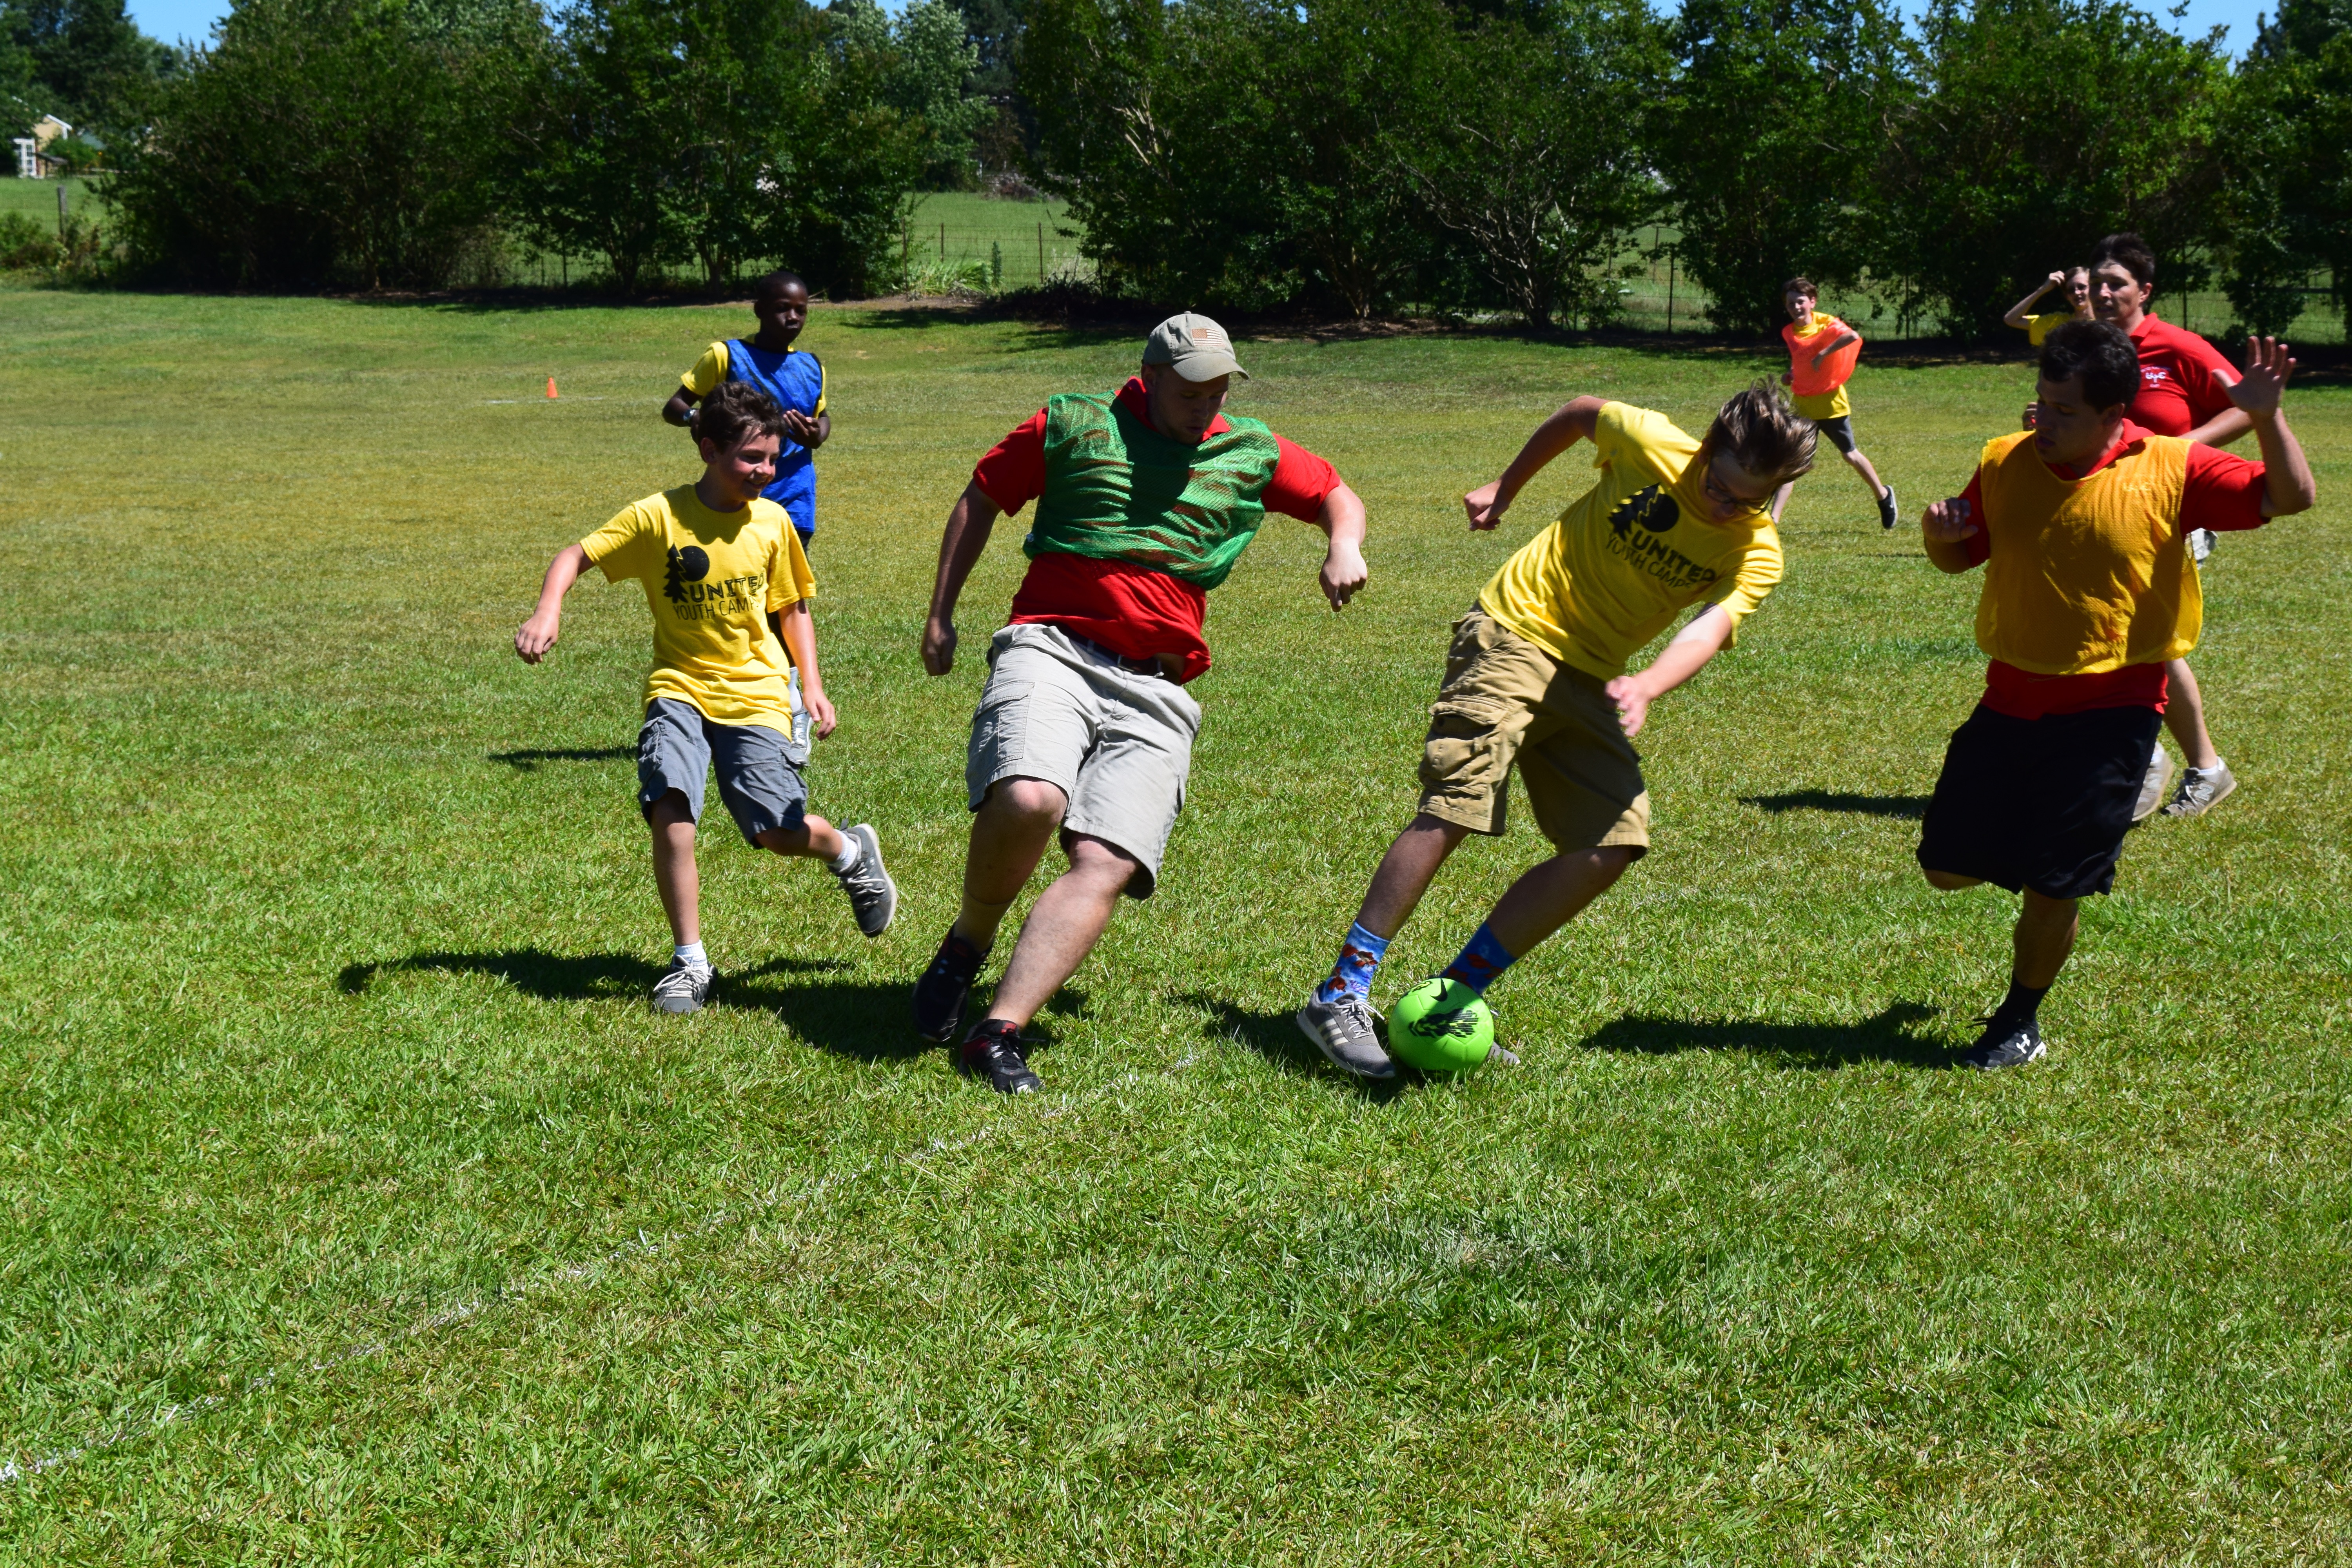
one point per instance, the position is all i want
(1485, 506)
(2269, 364)
(1948, 521)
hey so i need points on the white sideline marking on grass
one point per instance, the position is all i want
(522, 1287)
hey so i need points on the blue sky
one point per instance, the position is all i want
(172, 20)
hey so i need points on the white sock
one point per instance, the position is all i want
(846, 861)
(691, 955)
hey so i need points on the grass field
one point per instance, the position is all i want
(973, 227)
(357, 1210)
(39, 197)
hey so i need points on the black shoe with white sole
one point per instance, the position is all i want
(1888, 510)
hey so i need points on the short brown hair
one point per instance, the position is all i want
(734, 413)
(1799, 284)
(2102, 354)
(1764, 434)
(2128, 251)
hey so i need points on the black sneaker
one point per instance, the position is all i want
(2005, 1045)
(940, 993)
(1887, 511)
(992, 1052)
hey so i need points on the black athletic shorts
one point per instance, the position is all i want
(2039, 803)
(1837, 432)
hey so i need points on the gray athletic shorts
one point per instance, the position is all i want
(758, 768)
(1119, 744)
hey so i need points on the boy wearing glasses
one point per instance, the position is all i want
(1536, 677)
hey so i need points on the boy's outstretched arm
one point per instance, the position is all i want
(796, 629)
(1684, 656)
(969, 522)
(1344, 571)
(1576, 421)
(2015, 317)
(679, 409)
(537, 634)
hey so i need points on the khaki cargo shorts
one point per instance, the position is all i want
(1507, 701)
(1117, 743)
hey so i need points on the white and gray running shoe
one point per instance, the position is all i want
(873, 896)
(2202, 789)
(2200, 544)
(1342, 1031)
(2152, 788)
(682, 990)
(1500, 1056)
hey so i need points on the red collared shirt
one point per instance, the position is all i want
(1137, 612)
(2222, 491)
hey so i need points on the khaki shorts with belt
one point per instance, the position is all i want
(1507, 702)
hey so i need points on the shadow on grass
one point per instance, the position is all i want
(1910, 805)
(866, 1021)
(1886, 1038)
(1276, 1036)
(529, 761)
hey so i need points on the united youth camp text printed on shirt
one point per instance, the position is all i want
(1820, 394)
(1628, 555)
(711, 580)
(795, 379)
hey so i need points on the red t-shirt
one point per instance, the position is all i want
(2222, 491)
(1137, 612)
(2183, 380)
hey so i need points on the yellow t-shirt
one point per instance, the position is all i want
(2039, 327)
(1833, 404)
(711, 369)
(1631, 552)
(711, 579)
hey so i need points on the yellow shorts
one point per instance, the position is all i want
(1507, 701)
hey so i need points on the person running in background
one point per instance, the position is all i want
(792, 376)
(2076, 282)
(1536, 681)
(2184, 389)
(2089, 595)
(1145, 498)
(729, 591)
(1821, 355)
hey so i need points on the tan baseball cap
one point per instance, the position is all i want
(1194, 346)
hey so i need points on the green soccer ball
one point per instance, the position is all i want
(1441, 1026)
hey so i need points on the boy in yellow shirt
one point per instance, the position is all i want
(729, 588)
(1818, 364)
(1536, 678)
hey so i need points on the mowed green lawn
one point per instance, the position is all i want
(357, 1208)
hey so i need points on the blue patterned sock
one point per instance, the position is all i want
(1359, 960)
(1481, 963)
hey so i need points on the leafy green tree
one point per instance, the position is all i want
(1154, 123)
(1523, 144)
(318, 141)
(2040, 125)
(2285, 149)
(84, 60)
(1768, 141)
(928, 81)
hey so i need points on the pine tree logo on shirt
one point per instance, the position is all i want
(690, 565)
(1652, 508)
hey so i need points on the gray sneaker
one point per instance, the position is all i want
(2152, 788)
(1342, 1031)
(1499, 1056)
(2202, 789)
(683, 989)
(2200, 544)
(873, 896)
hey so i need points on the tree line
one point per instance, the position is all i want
(1366, 154)
(1357, 156)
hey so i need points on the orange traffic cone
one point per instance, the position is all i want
(551, 386)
